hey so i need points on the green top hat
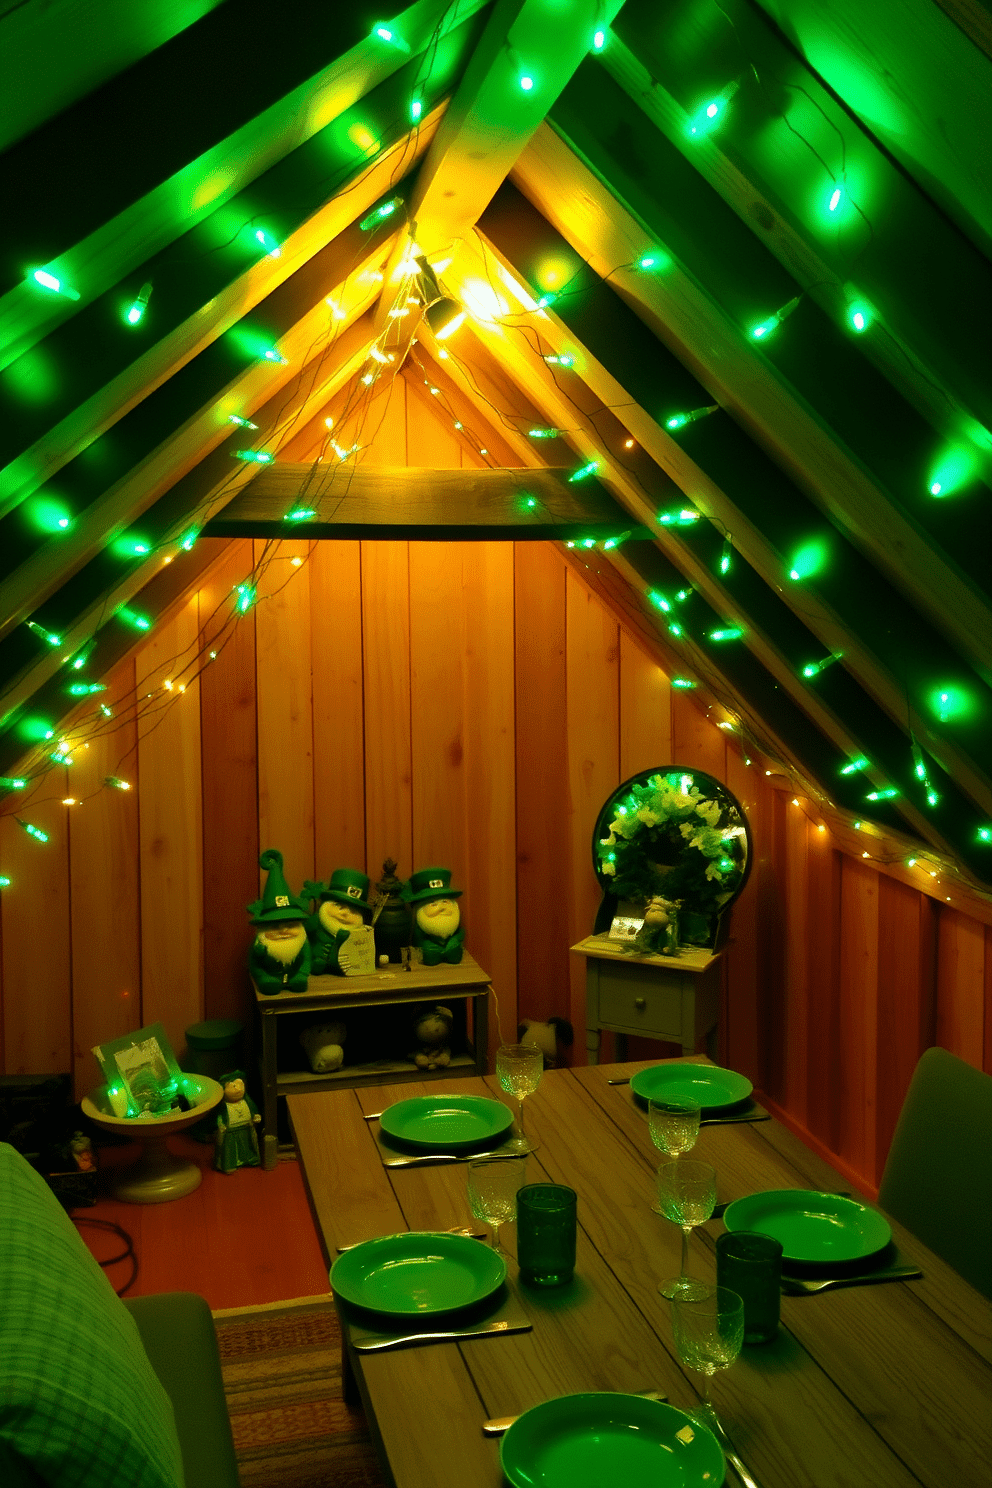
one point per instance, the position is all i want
(276, 903)
(429, 883)
(347, 886)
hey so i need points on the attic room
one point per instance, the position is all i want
(455, 438)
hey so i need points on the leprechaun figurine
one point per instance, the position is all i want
(279, 959)
(437, 928)
(237, 1118)
(342, 905)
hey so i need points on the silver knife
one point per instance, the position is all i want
(379, 1345)
(734, 1120)
(445, 1157)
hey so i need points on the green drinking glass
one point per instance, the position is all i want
(546, 1233)
(751, 1265)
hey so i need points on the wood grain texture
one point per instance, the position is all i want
(645, 710)
(592, 655)
(37, 1013)
(907, 996)
(388, 767)
(230, 787)
(285, 716)
(859, 1014)
(103, 887)
(338, 707)
(170, 826)
(542, 786)
(961, 986)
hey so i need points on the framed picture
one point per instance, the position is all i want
(142, 1074)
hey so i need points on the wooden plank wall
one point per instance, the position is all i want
(470, 705)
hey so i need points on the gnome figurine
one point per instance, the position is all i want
(437, 928)
(342, 904)
(279, 960)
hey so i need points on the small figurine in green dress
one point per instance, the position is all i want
(237, 1117)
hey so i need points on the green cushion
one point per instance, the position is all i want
(80, 1405)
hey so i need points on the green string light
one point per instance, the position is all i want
(679, 420)
(32, 830)
(135, 312)
(728, 633)
(134, 619)
(390, 37)
(12, 782)
(5, 882)
(985, 834)
(683, 683)
(116, 783)
(814, 668)
(272, 249)
(711, 114)
(882, 795)
(683, 518)
(676, 630)
(271, 355)
(584, 471)
(725, 556)
(381, 213)
(560, 361)
(855, 765)
(46, 635)
(188, 543)
(762, 331)
(659, 601)
(303, 514)
(598, 40)
(85, 689)
(416, 109)
(53, 284)
(252, 457)
(543, 433)
(246, 597)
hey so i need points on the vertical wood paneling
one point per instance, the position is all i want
(858, 1012)
(338, 707)
(823, 1021)
(771, 869)
(907, 992)
(740, 1027)
(386, 428)
(987, 1058)
(35, 945)
(170, 827)
(388, 768)
(230, 786)
(961, 986)
(543, 793)
(796, 999)
(489, 771)
(437, 672)
(431, 441)
(285, 715)
(103, 886)
(645, 711)
(592, 708)
(695, 740)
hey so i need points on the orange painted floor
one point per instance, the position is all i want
(238, 1239)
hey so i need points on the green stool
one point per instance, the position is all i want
(213, 1048)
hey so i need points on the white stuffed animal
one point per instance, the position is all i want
(323, 1044)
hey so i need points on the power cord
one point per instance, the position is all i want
(128, 1252)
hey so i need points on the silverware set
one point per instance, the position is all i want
(482, 1330)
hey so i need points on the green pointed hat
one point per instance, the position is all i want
(347, 885)
(276, 903)
(429, 883)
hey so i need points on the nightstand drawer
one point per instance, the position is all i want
(635, 998)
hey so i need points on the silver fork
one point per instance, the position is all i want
(799, 1284)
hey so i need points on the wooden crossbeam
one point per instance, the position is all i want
(424, 506)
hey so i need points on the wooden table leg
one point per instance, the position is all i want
(349, 1384)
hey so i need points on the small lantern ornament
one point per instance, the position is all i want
(393, 922)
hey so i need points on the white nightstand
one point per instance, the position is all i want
(674, 998)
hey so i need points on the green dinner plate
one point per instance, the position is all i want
(708, 1084)
(609, 1441)
(815, 1227)
(417, 1274)
(446, 1123)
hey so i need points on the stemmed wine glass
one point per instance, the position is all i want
(674, 1127)
(709, 1332)
(492, 1191)
(686, 1196)
(519, 1067)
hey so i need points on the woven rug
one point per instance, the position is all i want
(282, 1378)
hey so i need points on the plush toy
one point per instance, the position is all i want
(279, 960)
(342, 906)
(433, 1031)
(659, 934)
(547, 1037)
(437, 927)
(237, 1118)
(322, 1042)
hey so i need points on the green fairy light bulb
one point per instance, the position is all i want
(659, 601)
(33, 831)
(391, 37)
(272, 249)
(189, 541)
(598, 40)
(727, 633)
(679, 420)
(584, 472)
(12, 782)
(134, 619)
(985, 834)
(416, 109)
(882, 795)
(48, 636)
(242, 423)
(47, 280)
(683, 683)
(725, 556)
(560, 361)
(710, 116)
(543, 433)
(765, 328)
(5, 882)
(814, 668)
(251, 457)
(304, 514)
(381, 213)
(246, 597)
(855, 765)
(85, 689)
(271, 355)
(676, 630)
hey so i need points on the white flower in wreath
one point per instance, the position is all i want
(713, 871)
(709, 842)
(609, 868)
(647, 816)
(608, 841)
(709, 811)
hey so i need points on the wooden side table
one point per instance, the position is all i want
(331, 995)
(674, 998)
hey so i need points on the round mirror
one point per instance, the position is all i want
(677, 835)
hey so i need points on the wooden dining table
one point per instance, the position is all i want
(881, 1386)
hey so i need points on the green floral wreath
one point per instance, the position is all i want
(667, 838)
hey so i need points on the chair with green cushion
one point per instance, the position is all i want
(938, 1175)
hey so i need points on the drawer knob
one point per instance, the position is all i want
(640, 1003)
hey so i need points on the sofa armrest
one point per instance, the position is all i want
(181, 1343)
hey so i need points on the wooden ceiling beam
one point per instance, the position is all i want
(665, 451)
(213, 477)
(491, 116)
(694, 328)
(135, 234)
(89, 419)
(421, 505)
(538, 380)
